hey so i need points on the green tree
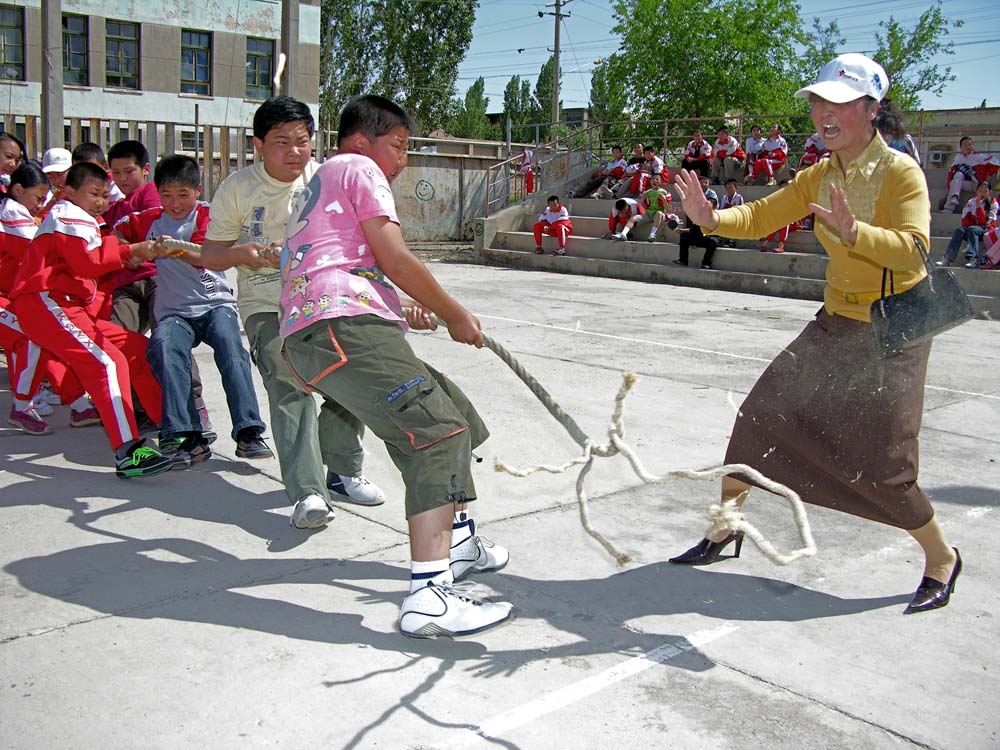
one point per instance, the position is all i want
(906, 56)
(470, 120)
(699, 58)
(518, 107)
(543, 94)
(407, 50)
(820, 46)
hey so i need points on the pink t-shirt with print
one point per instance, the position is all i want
(327, 268)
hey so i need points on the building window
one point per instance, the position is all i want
(74, 38)
(11, 43)
(122, 56)
(260, 68)
(196, 62)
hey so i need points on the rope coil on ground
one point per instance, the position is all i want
(725, 515)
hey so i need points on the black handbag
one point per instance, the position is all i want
(936, 304)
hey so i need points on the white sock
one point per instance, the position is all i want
(431, 571)
(22, 404)
(462, 528)
(652, 232)
(81, 403)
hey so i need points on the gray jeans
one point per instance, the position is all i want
(304, 440)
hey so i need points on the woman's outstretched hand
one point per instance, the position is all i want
(697, 207)
(839, 216)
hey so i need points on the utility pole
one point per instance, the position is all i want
(559, 15)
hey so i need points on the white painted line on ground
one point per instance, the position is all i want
(744, 357)
(625, 338)
(565, 696)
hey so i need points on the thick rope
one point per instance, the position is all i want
(724, 516)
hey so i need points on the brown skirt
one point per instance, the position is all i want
(838, 423)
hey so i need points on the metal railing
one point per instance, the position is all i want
(551, 163)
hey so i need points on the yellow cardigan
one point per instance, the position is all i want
(887, 192)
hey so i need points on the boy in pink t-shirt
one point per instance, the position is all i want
(343, 328)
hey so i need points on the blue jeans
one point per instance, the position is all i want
(169, 352)
(972, 235)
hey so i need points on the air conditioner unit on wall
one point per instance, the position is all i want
(935, 157)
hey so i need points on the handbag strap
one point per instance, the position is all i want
(923, 254)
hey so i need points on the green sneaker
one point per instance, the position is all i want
(142, 461)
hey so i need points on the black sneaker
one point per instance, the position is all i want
(252, 447)
(173, 448)
(142, 461)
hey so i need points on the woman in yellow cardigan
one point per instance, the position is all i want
(830, 417)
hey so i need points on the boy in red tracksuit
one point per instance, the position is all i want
(55, 296)
(554, 221)
(621, 214)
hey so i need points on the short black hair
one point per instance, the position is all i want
(177, 169)
(648, 148)
(963, 139)
(978, 184)
(129, 150)
(620, 204)
(83, 172)
(89, 152)
(552, 198)
(722, 129)
(372, 116)
(697, 130)
(732, 180)
(619, 148)
(281, 110)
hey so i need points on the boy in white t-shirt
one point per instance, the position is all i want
(343, 328)
(249, 213)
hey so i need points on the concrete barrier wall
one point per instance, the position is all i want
(439, 196)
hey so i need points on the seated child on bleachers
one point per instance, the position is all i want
(193, 305)
(728, 158)
(691, 234)
(773, 156)
(978, 217)
(56, 297)
(755, 148)
(780, 234)
(621, 214)
(655, 204)
(612, 171)
(652, 164)
(815, 150)
(698, 155)
(553, 221)
(969, 169)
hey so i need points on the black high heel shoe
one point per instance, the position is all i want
(707, 552)
(931, 593)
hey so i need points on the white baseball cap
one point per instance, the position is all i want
(846, 78)
(56, 160)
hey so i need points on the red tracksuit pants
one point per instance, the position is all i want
(108, 360)
(529, 181)
(560, 230)
(767, 165)
(28, 363)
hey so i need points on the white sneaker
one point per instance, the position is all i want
(441, 610)
(42, 407)
(46, 395)
(617, 236)
(477, 555)
(311, 512)
(357, 490)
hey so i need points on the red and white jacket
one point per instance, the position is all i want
(815, 148)
(755, 146)
(776, 148)
(617, 167)
(728, 149)
(977, 166)
(67, 258)
(551, 217)
(694, 152)
(632, 208)
(19, 229)
(654, 165)
(526, 160)
(976, 215)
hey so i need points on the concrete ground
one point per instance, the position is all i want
(183, 612)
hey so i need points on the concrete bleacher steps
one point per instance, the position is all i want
(799, 272)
